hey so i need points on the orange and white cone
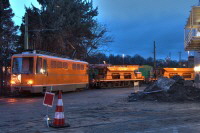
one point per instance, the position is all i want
(59, 119)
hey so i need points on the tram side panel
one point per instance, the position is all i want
(71, 76)
(64, 75)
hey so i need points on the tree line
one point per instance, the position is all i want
(100, 58)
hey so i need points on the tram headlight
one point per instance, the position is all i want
(19, 77)
(12, 82)
(30, 82)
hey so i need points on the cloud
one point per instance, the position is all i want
(135, 24)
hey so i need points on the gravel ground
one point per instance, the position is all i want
(100, 111)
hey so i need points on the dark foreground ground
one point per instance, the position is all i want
(100, 111)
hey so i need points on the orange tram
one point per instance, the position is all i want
(36, 73)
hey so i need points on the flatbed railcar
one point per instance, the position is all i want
(36, 73)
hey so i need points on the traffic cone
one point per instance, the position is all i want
(59, 119)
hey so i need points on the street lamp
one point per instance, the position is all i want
(123, 58)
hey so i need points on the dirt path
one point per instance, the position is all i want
(100, 111)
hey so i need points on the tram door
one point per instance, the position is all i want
(45, 72)
(39, 70)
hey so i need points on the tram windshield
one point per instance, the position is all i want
(22, 65)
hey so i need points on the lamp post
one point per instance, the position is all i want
(123, 58)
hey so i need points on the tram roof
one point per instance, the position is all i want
(48, 56)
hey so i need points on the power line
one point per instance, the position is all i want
(18, 17)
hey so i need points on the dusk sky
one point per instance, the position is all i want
(135, 24)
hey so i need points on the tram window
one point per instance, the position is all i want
(82, 67)
(39, 66)
(78, 67)
(74, 66)
(53, 64)
(44, 66)
(59, 64)
(65, 65)
(23, 65)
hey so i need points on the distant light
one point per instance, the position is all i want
(175, 68)
(123, 55)
(3, 68)
(188, 53)
(197, 68)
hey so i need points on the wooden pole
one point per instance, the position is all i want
(26, 33)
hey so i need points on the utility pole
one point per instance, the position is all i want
(154, 54)
(26, 33)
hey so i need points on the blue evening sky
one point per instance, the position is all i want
(135, 24)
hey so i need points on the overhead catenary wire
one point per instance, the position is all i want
(18, 17)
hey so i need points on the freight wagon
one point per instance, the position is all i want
(109, 76)
(186, 73)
